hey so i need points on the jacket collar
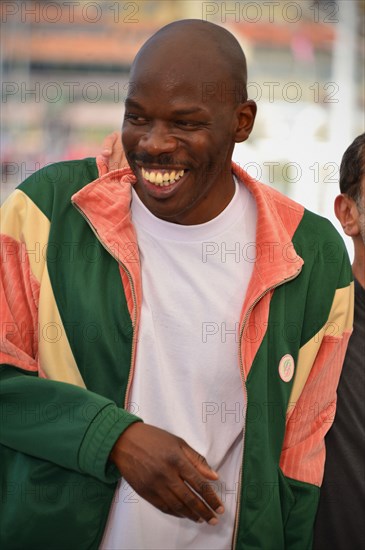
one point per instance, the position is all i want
(105, 203)
(277, 219)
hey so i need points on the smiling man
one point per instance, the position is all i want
(184, 113)
(173, 332)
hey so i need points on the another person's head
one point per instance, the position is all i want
(186, 108)
(350, 205)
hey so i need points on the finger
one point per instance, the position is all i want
(118, 159)
(203, 488)
(175, 497)
(178, 503)
(206, 493)
(196, 502)
(199, 484)
(109, 142)
(170, 503)
(181, 501)
(199, 462)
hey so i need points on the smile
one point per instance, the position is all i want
(162, 178)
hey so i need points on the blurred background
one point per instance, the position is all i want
(64, 72)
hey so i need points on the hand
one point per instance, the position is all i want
(163, 469)
(112, 153)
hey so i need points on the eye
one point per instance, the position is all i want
(135, 119)
(189, 124)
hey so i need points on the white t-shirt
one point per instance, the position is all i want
(187, 378)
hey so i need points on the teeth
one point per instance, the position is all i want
(162, 179)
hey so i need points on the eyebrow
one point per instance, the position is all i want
(187, 111)
(132, 103)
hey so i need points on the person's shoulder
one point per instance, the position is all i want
(315, 238)
(54, 184)
(309, 231)
(310, 225)
(319, 226)
(323, 250)
(73, 173)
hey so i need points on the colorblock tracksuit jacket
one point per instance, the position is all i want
(70, 307)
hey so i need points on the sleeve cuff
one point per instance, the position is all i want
(104, 430)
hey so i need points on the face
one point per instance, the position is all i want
(351, 214)
(179, 143)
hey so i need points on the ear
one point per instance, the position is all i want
(347, 214)
(246, 113)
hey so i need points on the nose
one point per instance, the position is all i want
(158, 140)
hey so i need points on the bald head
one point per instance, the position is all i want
(185, 110)
(199, 48)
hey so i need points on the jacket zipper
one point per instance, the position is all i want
(134, 320)
(235, 530)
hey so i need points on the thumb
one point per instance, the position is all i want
(109, 142)
(199, 462)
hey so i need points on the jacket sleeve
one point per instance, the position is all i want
(312, 409)
(52, 420)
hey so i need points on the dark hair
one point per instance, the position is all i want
(352, 168)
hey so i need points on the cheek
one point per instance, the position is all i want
(208, 149)
(125, 138)
(130, 137)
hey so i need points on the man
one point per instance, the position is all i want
(182, 293)
(340, 523)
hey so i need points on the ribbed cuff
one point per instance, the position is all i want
(104, 430)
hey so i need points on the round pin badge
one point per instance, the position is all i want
(286, 368)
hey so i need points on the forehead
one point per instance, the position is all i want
(178, 91)
(169, 86)
(178, 71)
